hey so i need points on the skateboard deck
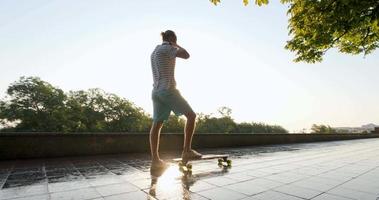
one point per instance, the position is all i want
(186, 168)
(205, 157)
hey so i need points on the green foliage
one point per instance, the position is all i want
(174, 124)
(225, 112)
(316, 26)
(208, 124)
(259, 128)
(225, 124)
(95, 110)
(38, 104)
(322, 129)
(265, 128)
(35, 105)
(245, 2)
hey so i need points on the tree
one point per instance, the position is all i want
(351, 26)
(322, 129)
(35, 105)
(96, 110)
(174, 124)
(208, 124)
(265, 128)
(224, 124)
(244, 127)
(225, 111)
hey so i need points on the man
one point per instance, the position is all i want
(167, 98)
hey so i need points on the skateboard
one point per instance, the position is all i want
(186, 168)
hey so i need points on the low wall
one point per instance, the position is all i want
(39, 145)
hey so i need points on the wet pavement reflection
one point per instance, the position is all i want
(340, 170)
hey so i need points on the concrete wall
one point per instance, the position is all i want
(38, 145)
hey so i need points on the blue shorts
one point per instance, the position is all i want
(165, 101)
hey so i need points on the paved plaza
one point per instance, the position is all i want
(339, 170)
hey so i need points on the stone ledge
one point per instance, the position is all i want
(40, 145)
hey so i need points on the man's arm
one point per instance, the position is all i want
(181, 53)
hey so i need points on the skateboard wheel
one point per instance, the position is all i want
(229, 162)
(189, 166)
(220, 160)
(180, 164)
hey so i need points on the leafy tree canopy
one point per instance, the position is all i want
(316, 26)
(322, 129)
(33, 105)
(36, 104)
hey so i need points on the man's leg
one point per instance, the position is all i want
(189, 131)
(154, 141)
(180, 106)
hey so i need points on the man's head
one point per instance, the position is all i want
(169, 36)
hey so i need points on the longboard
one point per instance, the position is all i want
(186, 168)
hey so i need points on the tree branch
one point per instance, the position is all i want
(364, 39)
(336, 39)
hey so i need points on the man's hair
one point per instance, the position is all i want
(167, 34)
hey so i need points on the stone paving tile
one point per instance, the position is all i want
(259, 173)
(220, 181)
(338, 175)
(136, 195)
(221, 194)
(369, 177)
(64, 178)
(326, 196)
(142, 183)
(189, 196)
(119, 188)
(85, 193)
(168, 190)
(134, 175)
(242, 176)
(104, 180)
(273, 195)
(24, 191)
(297, 191)
(248, 187)
(200, 186)
(363, 185)
(287, 177)
(35, 197)
(308, 170)
(324, 170)
(353, 194)
(69, 185)
(318, 183)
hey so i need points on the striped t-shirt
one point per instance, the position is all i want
(163, 66)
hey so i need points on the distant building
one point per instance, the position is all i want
(376, 130)
(364, 128)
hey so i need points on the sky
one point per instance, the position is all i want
(237, 58)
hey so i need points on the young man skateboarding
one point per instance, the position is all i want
(167, 98)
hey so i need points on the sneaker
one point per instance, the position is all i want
(191, 155)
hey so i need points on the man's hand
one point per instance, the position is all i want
(182, 53)
(174, 45)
